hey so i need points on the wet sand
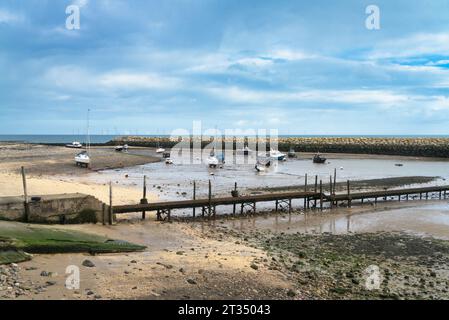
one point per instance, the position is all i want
(52, 160)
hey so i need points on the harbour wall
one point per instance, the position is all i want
(417, 147)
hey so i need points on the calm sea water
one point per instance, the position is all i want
(105, 138)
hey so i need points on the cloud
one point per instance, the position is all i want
(80, 79)
(8, 17)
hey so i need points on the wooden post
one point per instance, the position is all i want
(25, 195)
(144, 199)
(321, 195)
(277, 205)
(103, 211)
(305, 190)
(210, 198)
(110, 204)
(194, 198)
(233, 206)
(335, 181)
(331, 191)
(316, 190)
(349, 194)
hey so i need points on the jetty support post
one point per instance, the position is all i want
(111, 213)
(25, 195)
(335, 181)
(331, 192)
(321, 195)
(144, 198)
(305, 190)
(194, 198)
(235, 192)
(349, 194)
(210, 199)
(316, 190)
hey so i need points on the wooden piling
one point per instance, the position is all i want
(103, 213)
(194, 198)
(316, 190)
(335, 181)
(349, 194)
(110, 204)
(144, 198)
(233, 207)
(321, 195)
(210, 198)
(331, 193)
(25, 196)
(305, 190)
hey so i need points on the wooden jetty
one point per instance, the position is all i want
(282, 200)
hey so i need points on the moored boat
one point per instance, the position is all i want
(75, 145)
(277, 155)
(319, 159)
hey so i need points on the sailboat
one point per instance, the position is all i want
(276, 154)
(82, 159)
(212, 161)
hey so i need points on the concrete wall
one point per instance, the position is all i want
(63, 208)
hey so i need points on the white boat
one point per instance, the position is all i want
(74, 144)
(121, 148)
(160, 150)
(168, 161)
(245, 151)
(82, 159)
(262, 166)
(276, 154)
(212, 161)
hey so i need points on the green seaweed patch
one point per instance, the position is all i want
(44, 239)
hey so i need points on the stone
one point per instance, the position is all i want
(88, 264)
(191, 281)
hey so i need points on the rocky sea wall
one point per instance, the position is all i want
(419, 147)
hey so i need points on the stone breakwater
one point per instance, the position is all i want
(417, 147)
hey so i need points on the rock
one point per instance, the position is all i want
(191, 281)
(133, 261)
(97, 296)
(89, 292)
(45, 274)
(291, 293)
(50, 283)
(88, 264)
(254, 266)
(180, 253)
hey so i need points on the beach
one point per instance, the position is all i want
(228, 258)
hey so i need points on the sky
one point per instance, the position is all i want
(149, 67)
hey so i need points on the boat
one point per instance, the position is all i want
(246, 151)
(319, 159)
(292, 153)
(277, 155)
(82, 159)
(160, 150)
(75, 145)
(168, 161)
(212, 161)
(262, 166)
(166, 155)
(122, 148)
